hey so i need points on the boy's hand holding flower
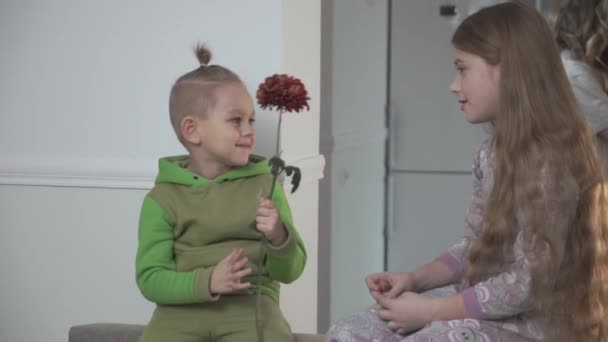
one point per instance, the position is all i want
(268, 222)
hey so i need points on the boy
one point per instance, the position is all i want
(204, 228)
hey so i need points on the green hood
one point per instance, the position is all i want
(174, 170)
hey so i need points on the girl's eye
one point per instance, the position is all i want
(251, 121)
(235, 120)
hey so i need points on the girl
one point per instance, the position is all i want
(533, 264)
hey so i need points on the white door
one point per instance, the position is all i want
(432, 146)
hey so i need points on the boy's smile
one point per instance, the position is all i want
(227, 133)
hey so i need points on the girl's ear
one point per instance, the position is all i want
(189, 130)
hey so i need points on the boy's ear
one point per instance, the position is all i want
(189, 130)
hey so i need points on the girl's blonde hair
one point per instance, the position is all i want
(581, 26)
(193, 92)
(548, 178)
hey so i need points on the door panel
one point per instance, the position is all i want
(427, 212)
(428, 129)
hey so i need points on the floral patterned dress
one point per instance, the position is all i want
(499, 307)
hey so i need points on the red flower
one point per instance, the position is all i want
(284, 93)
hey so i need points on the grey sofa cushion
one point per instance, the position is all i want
(105, 332)
(116, 332)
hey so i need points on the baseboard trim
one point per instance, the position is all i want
(106, 172)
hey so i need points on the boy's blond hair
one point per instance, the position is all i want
(193, 92)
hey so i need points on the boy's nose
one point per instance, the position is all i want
(247, 129)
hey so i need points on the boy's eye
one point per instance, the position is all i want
(251, 121)
(235, 120)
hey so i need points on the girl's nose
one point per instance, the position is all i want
(454, 86)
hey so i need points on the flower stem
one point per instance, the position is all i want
(258, 314)
(277, 151)
(278, 145)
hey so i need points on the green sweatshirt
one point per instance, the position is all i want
(188, 224)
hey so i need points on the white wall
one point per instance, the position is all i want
(67, 258)
(353, 136)
(82, 76)
(301, 57)
(83, 119)
(89, 80)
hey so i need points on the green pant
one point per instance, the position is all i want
(231, 318)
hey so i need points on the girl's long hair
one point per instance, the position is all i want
(548, 177)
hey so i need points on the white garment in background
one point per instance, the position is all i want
(591, 97)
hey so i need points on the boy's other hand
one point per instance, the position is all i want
(268, 221)
(389, 284)
(227, 274)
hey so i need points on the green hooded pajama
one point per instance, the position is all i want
(187, 225)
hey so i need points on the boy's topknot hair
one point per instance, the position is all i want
(193, 93)
(203, 54)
